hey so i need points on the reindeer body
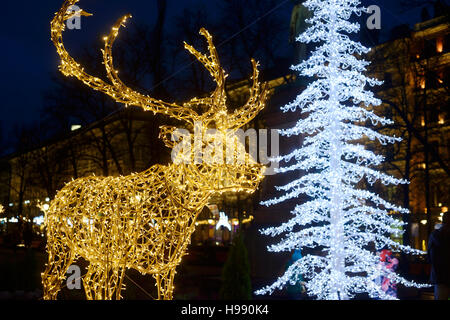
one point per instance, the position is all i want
(144, 221)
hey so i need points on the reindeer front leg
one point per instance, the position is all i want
(164, 283)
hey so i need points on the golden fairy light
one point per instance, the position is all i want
(145, 220)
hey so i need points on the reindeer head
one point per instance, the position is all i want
(236, 171)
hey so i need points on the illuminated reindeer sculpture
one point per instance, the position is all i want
(144, 221)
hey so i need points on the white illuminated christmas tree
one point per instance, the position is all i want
(338, 225)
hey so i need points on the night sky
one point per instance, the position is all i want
(29, 58)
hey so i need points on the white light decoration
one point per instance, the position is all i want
(340, 225)
(223, 221)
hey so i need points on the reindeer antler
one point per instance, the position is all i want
(211, 63)
(120, 92)
(217, 100)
